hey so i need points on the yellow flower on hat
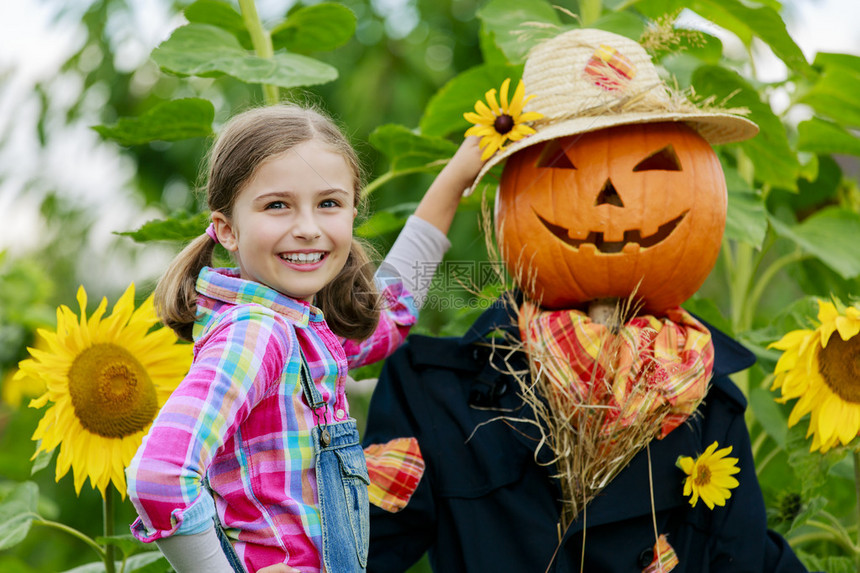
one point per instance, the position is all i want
(106, 379)
(710, 476)
(501, 121)
(821, 367)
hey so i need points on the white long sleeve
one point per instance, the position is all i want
(416, 255)
(196, 553)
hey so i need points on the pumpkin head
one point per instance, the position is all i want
(637, 208)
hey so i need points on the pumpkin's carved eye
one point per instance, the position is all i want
(553, 156)
(661, 160)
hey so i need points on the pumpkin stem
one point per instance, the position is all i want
(605, 311)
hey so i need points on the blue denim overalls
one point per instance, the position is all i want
(342, 482)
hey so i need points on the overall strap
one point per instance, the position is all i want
(315, 400)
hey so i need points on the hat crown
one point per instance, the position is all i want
(590, 72)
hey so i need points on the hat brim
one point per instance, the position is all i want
(715, 128)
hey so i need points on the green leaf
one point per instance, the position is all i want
(829, 563)
(813, 276)
(179, 227)
(490, 52)
(847, 63)
(622, 23)
(43, 459)
(774, 160)
(167, 121)
(740, 19)
(148, 562)
(768, 414)
(408, 151)
(316, 28)
(207, 51)
(811, 507)
(836, 95)
(818, 136)
(811, 194)
(125, 543)
(831, 235)
(517, 25)
(381, 223)
(444, 113)
(17, 511)
(222, 15)
(683, 60)
(746, 219)
(812, 467)
(763, 22)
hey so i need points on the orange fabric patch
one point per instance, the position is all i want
(665, 558)
(609, 69)
(395, 469)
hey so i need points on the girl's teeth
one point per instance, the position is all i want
(303, 257)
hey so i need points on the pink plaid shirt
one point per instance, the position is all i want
(241, 415)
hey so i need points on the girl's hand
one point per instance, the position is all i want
(278, 568)
(466, 163)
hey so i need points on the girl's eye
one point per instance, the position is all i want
(329, 203)
(276, 205)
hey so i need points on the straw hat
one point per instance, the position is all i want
(586, 79)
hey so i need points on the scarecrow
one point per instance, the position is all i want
(585, 422)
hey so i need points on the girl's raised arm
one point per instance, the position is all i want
(439, 204)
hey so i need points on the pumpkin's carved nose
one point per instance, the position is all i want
(608, 194)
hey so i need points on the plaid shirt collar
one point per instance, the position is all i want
(224, 285)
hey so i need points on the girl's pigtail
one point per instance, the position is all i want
(175, 295)
(351, 302)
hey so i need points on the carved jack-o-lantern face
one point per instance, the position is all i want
(635, 208)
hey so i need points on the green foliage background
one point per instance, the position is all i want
(792, 230)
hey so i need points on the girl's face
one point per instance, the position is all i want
(291, 228)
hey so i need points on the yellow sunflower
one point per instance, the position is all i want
(710, 476)
(496, 123)
(821, 367)
(106, 379)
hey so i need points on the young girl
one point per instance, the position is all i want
(257, 440)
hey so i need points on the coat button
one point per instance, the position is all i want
(646, 557)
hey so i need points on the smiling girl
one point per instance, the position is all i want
(254, 462)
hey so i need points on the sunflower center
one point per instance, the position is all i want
(839, 365)
(111, 392)
(703, 476)
(503, 124)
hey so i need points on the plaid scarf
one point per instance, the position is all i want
(647, 364)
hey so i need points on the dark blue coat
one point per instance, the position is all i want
(484, 505)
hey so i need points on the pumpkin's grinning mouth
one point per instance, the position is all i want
(595, 238)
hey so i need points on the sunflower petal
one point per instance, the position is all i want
(530, 116)
(491, 101)
(485, 112)
(518, 101)
(847, 327)
(503, 96)
(477, 119)
(826, 311)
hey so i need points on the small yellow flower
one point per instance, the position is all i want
(821, 368)
(709, 476)
(501, 121)
(106, 378)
